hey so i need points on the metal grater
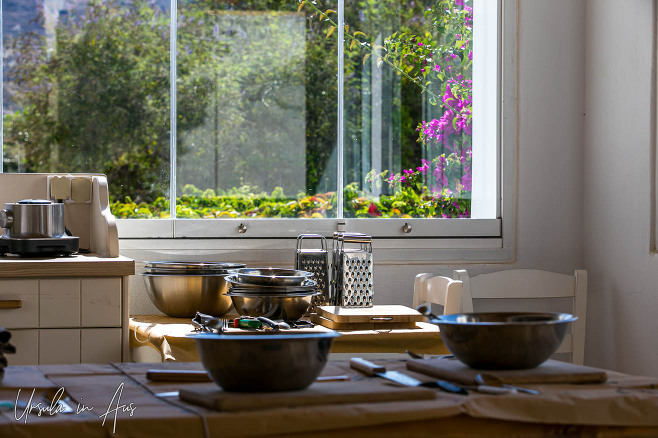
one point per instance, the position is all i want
(314, 260)
(353, 271)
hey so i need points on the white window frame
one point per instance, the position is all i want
(430, 240)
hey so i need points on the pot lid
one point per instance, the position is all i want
(35, 201)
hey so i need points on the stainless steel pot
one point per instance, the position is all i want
(33, 218)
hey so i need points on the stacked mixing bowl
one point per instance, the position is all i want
(181, 288)
(275, 293)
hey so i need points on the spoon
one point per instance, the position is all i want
(491, 380)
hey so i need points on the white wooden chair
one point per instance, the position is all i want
(439, 290)
(534, 284)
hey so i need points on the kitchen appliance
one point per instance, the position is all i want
(35, 227)
(56, 214)
(314, 260)
(352, 270)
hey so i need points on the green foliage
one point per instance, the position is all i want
(245, 203)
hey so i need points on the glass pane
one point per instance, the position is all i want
(408, 101)
(86, 89)
(256, 124)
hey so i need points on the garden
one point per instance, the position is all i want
(100, 102)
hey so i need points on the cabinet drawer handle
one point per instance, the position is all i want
(381, 318)
(11, 304)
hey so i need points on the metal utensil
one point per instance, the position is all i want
(181, 296)
(314, 260)
(353, 271)
(491, 380)
(59, 401)
(272, 276)
(287, 307)
(503, 340)
(265, 361)
(373, 369)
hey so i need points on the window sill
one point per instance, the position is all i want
(155, 238)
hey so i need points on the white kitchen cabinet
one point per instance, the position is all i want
(101, 304)
(24, 294)
(57, 346)
(100, 345)
(27, 347)
(66, 309)
(59, 302)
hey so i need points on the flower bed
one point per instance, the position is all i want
(407, 202)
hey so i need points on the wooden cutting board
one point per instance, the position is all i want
(374, 314)
(321, 320)
(551, 371)
(319, 393)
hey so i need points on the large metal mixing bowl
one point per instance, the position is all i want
(503, 340)
(264, 362)
(181, 296)
(288, 307)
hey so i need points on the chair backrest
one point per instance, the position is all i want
(439, 290)
(534, 284)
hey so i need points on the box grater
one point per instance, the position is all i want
(352, 271)
(314, 260)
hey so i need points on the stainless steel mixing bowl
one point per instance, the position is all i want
(264, 362)
(503, 340)
(272, 276)
(288, 307)
(182, 296)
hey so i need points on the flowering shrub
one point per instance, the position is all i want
(445, 65)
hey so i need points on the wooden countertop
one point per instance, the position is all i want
(78, 265)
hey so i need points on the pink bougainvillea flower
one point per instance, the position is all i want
(437, 68)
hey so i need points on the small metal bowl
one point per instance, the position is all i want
(288, 307)
(264, 362)
(181, 296)
(272, 276)
(237, 286)
(503, 340)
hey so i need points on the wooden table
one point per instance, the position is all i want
(625, 407)
(168, 336)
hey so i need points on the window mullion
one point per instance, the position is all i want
(340, 140)
(172, 103)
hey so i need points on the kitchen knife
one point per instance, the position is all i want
(372, 369)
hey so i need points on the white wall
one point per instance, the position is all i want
(549, 218)
(619, 157)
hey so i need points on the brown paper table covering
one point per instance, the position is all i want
(625, 406)
(168, 336)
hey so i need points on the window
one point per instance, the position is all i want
(286, 116)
